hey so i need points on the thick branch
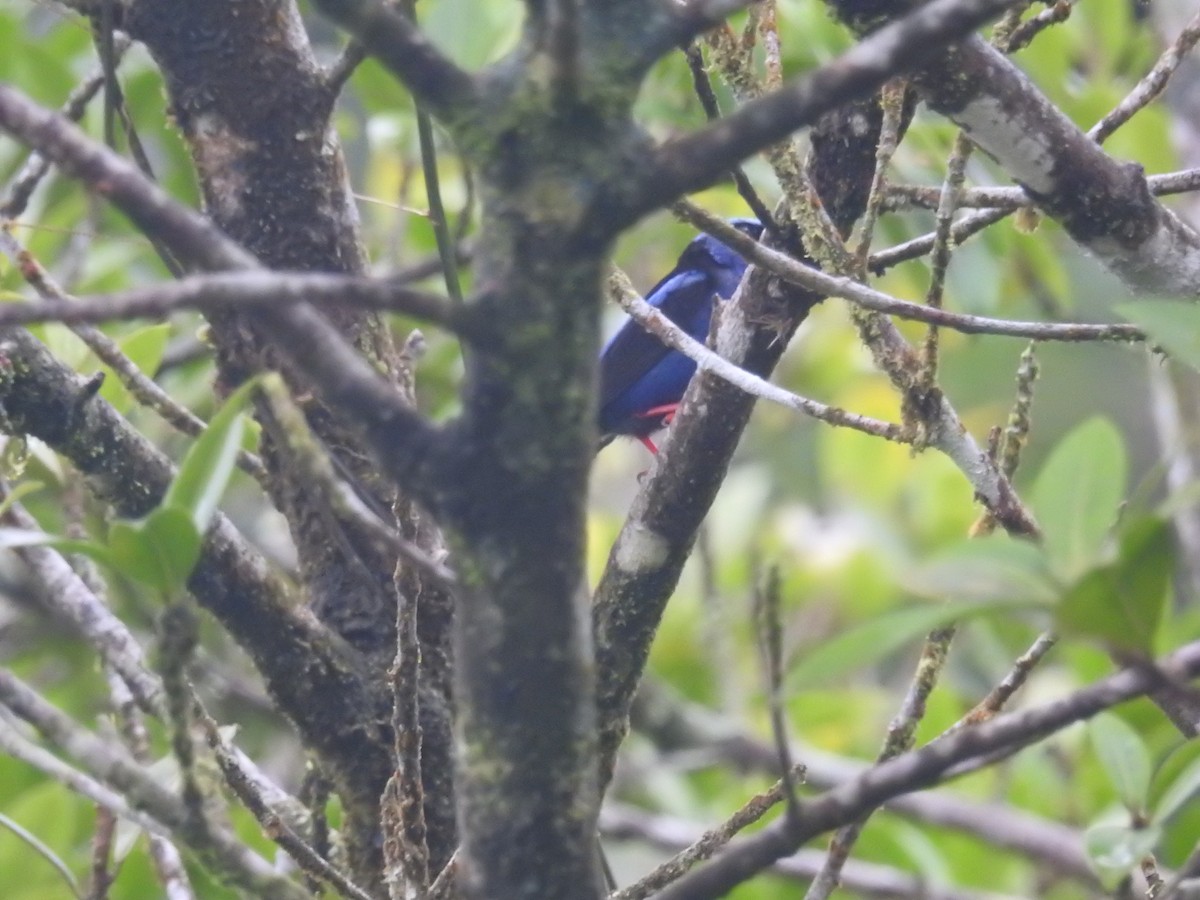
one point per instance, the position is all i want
(919, 769)
(693, 17)
(67, 597)
(253, 106)
(675, 724)
(112, 765)
(808, 276)
(312, 675)
(395, 40)
(695, 161)
(866, 879)
(1105, 205)
(237, 290)
(658, 535)
(347, 382)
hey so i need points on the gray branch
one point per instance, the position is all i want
(114, 767)
(1104, 204)
(921, 768)
(395, 40)
(255, 289)
(624, 823)
(349, 384)
(696, 160)
(677, 725)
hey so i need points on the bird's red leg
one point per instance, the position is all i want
(648, 444)
(666, 413)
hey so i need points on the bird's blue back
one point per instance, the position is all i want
(638, 372)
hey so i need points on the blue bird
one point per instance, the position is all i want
(641, 379)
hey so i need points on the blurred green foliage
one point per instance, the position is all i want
(870, 538)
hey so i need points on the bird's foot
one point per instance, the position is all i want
(665, 413)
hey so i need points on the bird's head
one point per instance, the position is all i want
(721, 255)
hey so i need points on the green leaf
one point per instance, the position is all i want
(176, 542)
(159, 550)
(1077, 493)
(1122, 603)
(1183, 788)
(1124, 757)
(145, 348)
(209, 462)
(985, 569)
(132, 556)
(1116, 849)
(19, 491)
(1172, 324)
(880, 636)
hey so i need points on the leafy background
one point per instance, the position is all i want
(869, 539)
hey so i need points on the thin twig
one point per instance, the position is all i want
(36, 167)
(68, 598)
(1012, 198)
(344, 502)
(269, 819)
(141, 799)
(340, 70)
(437, 209)
(1151, 85)
(42, 849)
(683, 727)
(673, 336)
(101, 877)
(735, 60)
(168, 863)
(942, 249)
(402, 808)
(1181, 885)
(938, 423)
(709, 842)
(143, 388)
(250, 289)
(1154, 879)
(891, 101)
(767, 616)
(18, 747)
(900, 739)
(814, 279)
(103, 36)
(994, 702)
(621, 822)
(1009, 22)
(445, 885)
(1015, 436)
(178, 635)
(945, 758)
(964, 228)
(1022, 36)
(708, 101)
